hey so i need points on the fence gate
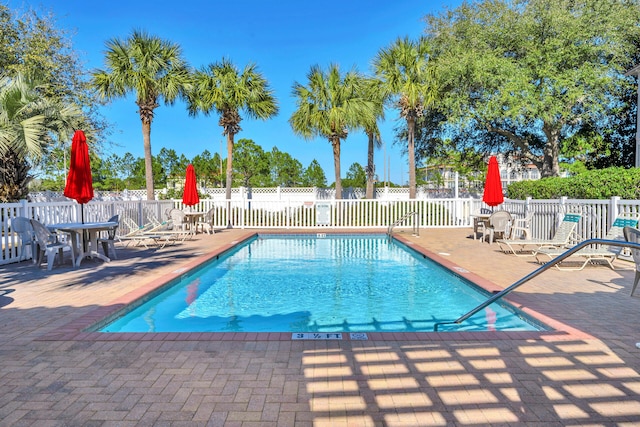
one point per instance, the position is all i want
(323, 213)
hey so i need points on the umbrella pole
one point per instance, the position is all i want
(84, 232)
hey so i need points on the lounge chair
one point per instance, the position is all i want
(49, 244)
(564, 237)
(138, 234)
(160, 234)
(173, 230)
(591, 254)
(498, 224)
(633, 235)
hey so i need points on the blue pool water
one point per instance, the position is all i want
(317, 284)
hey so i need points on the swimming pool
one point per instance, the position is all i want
(317, 283)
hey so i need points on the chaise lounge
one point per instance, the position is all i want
(590, 255)
(564, 237)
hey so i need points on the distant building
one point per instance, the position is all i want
(443, 177)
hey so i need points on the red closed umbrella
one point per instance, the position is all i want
(190, 196)
(492, 195)
(79, 182)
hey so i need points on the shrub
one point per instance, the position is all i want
(593, 184)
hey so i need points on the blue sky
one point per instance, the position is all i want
(284, 38)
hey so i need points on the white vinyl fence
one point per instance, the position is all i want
(292, 213)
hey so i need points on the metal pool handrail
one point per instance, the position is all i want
(416, 224)
(537, 272)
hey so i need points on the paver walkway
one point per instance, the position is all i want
(587, 375)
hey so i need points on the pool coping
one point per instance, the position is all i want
(78, 329)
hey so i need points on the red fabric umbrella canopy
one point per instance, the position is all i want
(190, 196)
(79, 182)
(493, 185)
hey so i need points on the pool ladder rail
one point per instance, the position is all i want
(537, 272)
(415, 230)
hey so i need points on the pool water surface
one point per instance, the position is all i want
(317, 283)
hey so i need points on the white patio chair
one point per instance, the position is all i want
(22, 227)
(108, 241)
(177, 220)
(206, 223)
(497, 224)
(49, 244)
(521, 227)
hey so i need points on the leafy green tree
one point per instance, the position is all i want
(28, 122)
(150, 67)
(251, 164)
(612, 137)
(138, 177)
(408, 81)
(207, 168)
(170, 162)
(174, 166)
(313, 175)
(128, 162)
(284, 169)
(33, 46)
(223, 88)
(109, 172)
(356, 176)
(331, 105)
(9, 39)
(522, 76)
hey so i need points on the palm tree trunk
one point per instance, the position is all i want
(411, 152)
(148, 159)
(335, 143)
(229, 165)
(14, 177)
(370, 167)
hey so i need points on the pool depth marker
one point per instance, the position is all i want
(327, 336)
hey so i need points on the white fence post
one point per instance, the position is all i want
(24, 209)
(455, 184)
(614, 204)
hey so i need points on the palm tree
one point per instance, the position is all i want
(152, 68)
(221, 87)
(406, 74)
(374, 93)
(330, 106)
(29, 123)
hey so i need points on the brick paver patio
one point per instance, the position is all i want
(586, 373)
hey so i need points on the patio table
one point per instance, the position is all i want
(84, 237)
(478, 220)
(191, 218)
